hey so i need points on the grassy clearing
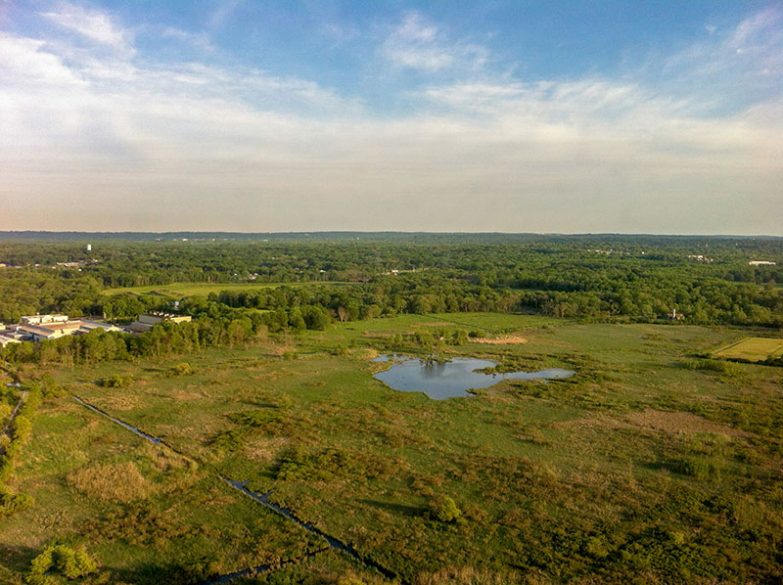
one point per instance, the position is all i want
(202, 289)
(751, 349)
(639, 468)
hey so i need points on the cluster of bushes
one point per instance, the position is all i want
(115, 381)
(58, 563)
(323, 464)
(710, 365)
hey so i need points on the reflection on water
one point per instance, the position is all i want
(441, 380)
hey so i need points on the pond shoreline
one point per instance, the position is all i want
(454, 378)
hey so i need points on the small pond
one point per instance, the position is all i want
(441, 380)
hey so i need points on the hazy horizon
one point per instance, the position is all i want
(511, 117)
(337, 232)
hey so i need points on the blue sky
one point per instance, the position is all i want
(607, 116)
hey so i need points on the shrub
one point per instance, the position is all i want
(183, 369)
(709, 365)
(230, 440)
(115, 381)
(60, 560)
(444, 509)
(10, 502)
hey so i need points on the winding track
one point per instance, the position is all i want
(264, 500)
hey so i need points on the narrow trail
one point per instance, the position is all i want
(262, 499)
(14, 412)
(22, 398)
(123, 424)
(334, 542)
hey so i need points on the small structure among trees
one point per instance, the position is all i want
(147, 321)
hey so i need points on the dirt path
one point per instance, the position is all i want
(14, 412)
(334, 542)
(123, 424)
(264, 500)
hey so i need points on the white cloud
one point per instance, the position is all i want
(148, 145)
(95, 25)
(417, 44)
(25, 59)
(739, 66)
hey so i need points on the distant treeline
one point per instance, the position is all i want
(596, 277)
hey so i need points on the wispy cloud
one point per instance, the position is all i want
(418, 44)
(223, 146)
(95, 25)
(199, 41)
(736, 67)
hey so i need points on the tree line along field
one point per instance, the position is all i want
(649, 465)
(618, 278)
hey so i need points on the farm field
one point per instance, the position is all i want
(202, 289)
(752, 349)
(644, 467)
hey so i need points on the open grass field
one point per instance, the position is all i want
(752, 349)
(196, 289)
(639, 469)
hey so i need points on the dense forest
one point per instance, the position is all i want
(597, 278)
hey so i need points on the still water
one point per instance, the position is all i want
(441, 380)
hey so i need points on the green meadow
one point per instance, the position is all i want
(647, 466)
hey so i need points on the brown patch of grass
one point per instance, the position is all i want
(679, 422)
(118, 482)
(504, 340)
(120, 401)
(265, 449)
(468, 576)
(593, 422)
(364, 353)
(165, 459)
(180, 394)
(282, 349)
(650, 419)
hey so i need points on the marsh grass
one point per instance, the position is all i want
(639, 469)
(113, 482)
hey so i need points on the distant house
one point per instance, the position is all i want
(761, 263)
(675, 316)
(147, 321)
